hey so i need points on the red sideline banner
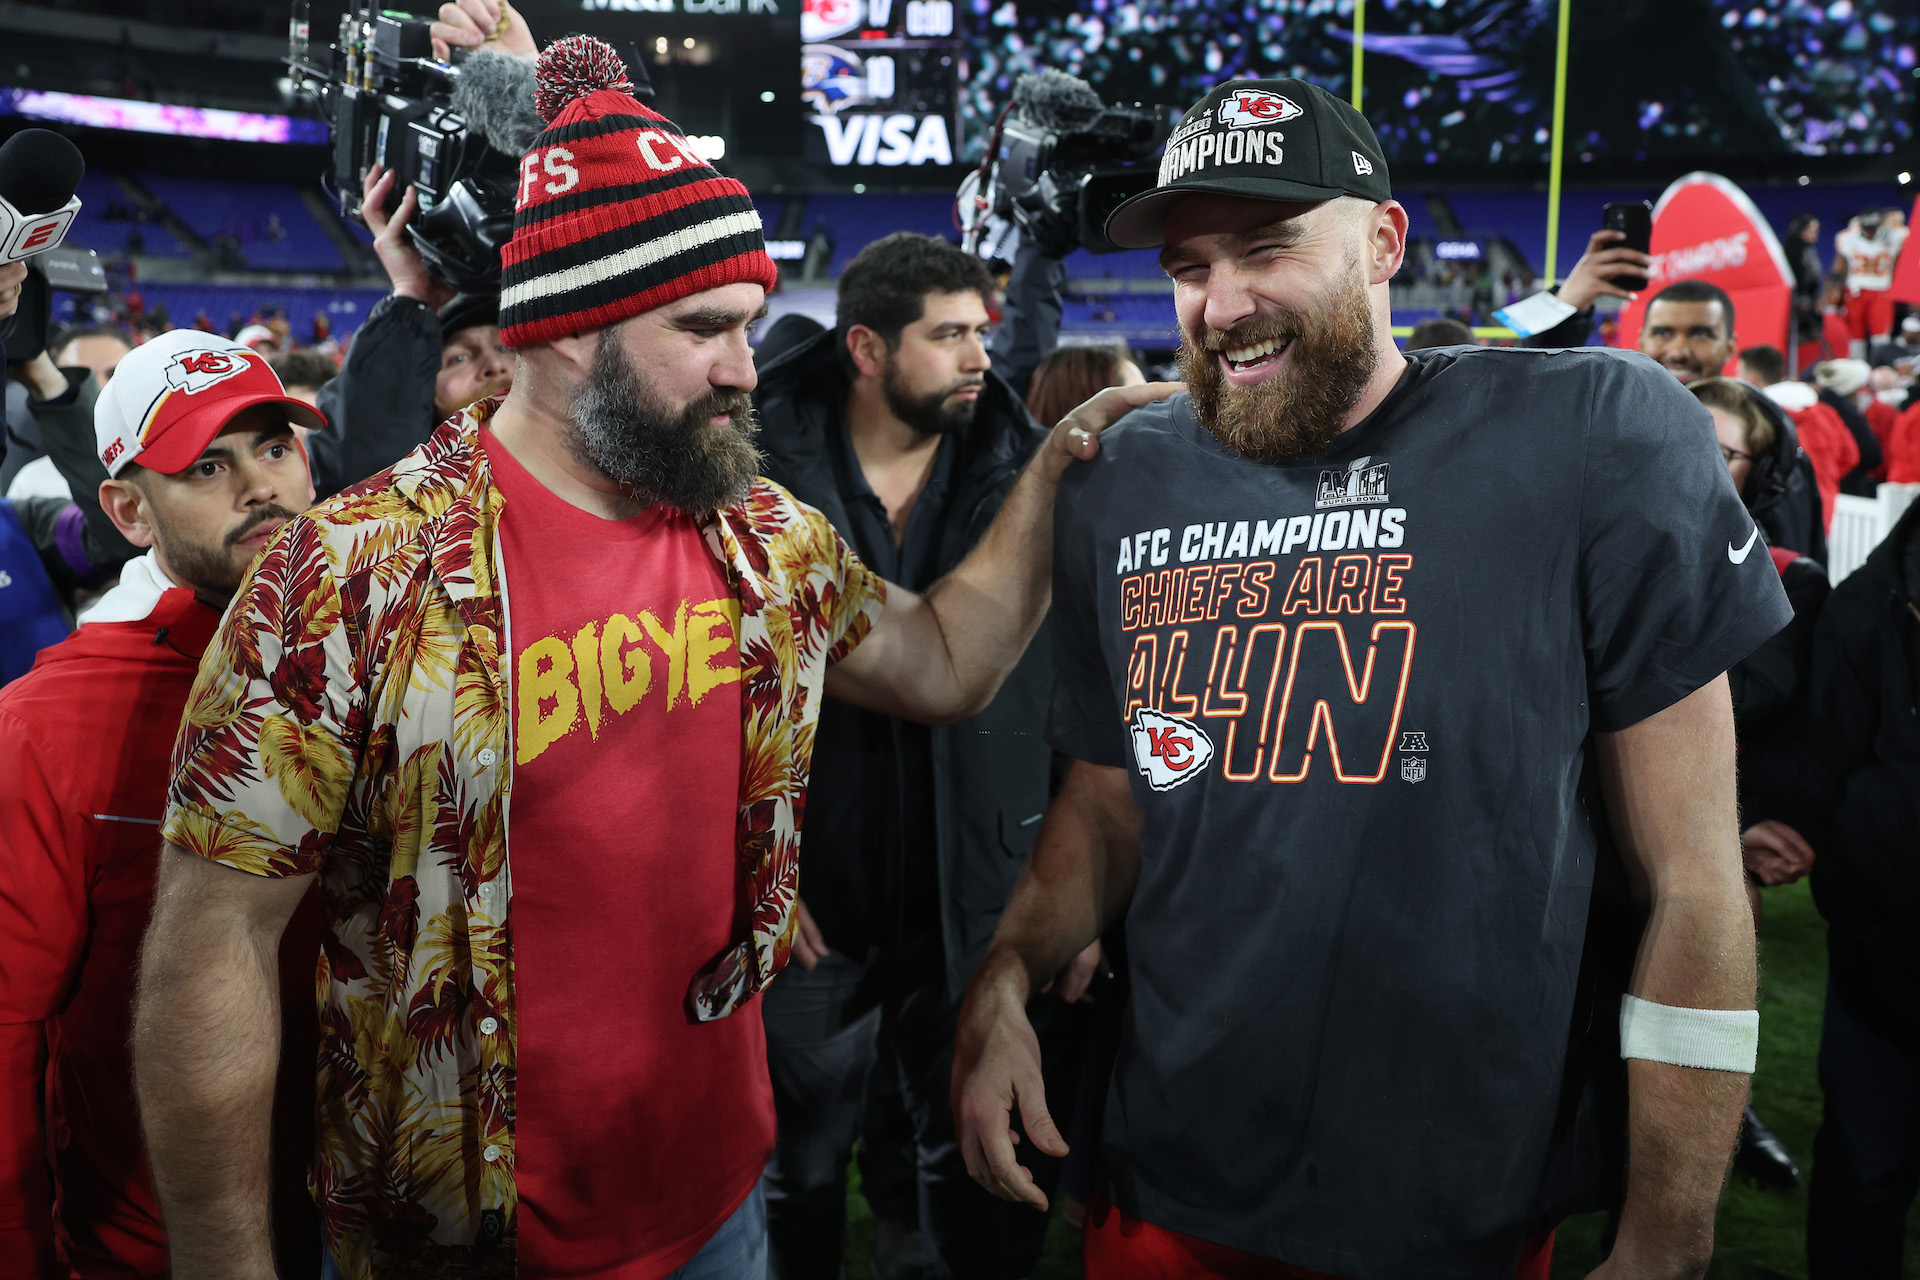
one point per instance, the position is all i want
(1705, 228)
(1906, 270)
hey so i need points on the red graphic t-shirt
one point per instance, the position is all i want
(632, 1144)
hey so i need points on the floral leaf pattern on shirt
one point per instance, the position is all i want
(350, 720)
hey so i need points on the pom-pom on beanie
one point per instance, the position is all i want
(615, 214)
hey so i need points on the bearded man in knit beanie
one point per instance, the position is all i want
(541, 1051)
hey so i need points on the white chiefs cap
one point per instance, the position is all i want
(172, 395)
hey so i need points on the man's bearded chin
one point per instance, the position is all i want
(929, 414)
(623, 430)
(1302, 407)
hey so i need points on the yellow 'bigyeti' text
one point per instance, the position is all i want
(605, 669)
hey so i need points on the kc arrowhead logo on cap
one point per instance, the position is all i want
(1255, 106)
(1233, 143)
(195, 371)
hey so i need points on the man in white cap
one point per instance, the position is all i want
(196, 435)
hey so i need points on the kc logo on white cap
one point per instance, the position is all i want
(172, 395)
(195, 371)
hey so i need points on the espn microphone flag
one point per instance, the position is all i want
(39, 173)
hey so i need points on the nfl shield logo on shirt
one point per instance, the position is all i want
(1413, 768)
(1169, 750)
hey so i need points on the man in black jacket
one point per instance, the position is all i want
(1852, 788)
(896, 427)
(423, 355)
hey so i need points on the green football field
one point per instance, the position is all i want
(1762, 1234)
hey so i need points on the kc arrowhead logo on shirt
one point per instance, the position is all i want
(1168, 749)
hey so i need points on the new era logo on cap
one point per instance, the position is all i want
(1362, 165)
(1256, 106)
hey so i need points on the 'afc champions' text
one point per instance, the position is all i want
(1286, 638)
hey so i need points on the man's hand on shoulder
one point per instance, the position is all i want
(940, 657)
(1077, 436)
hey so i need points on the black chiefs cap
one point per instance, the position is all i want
(1267, 139)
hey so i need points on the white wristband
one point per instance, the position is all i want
(1716, 1039)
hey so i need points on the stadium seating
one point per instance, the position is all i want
(273, 227)
(93, 229)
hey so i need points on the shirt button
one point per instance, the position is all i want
(486, 756)
(488, 1026)
(490, 1154)
(486, 890)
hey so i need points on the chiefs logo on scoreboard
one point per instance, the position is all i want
(1168, 749)
(1256, 106)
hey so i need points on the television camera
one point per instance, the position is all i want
(1058, 162)
(453, 130)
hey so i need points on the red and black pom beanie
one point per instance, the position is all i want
(616, 214)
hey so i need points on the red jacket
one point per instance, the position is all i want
(1903, 448)
(1831, 448)
(1882, 416)
(85, 739)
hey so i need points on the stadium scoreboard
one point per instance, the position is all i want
(842, 84)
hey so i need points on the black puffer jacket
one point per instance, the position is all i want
(380, 406)
(991, 773)
(1851, 784)
(1781, 493)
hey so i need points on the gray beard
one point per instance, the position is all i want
(622, 429)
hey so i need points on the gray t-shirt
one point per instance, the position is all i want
(1353, 696)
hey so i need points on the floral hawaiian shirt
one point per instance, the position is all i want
(351, 720)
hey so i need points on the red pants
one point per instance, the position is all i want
(1869, 314)
(1121, 1248)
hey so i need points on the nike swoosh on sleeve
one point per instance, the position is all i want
(1740, 556)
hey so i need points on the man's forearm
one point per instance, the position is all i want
(1682, 1121)
(990, 605)
(206, 1045)
(1670, 800)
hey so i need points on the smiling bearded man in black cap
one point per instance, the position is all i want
(1378, 670)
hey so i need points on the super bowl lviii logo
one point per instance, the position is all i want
(1168, 749)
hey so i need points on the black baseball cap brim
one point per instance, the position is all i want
(1140, 223)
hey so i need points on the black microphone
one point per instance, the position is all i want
(39, 173)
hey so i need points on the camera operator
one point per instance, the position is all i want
(423, 355)
(425, 352)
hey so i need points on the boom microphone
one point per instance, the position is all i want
(39, 173)
(493, 92)
(1055, 102)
